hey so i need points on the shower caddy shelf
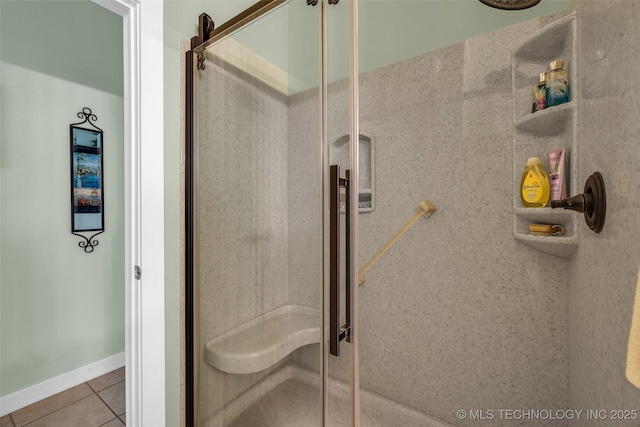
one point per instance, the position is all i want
(548, 122)
(536, 134)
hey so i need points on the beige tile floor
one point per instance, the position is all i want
(96, 403)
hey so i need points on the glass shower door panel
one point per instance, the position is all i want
(259, 235)
(441, 320)
(342, 383)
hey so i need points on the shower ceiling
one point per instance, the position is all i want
(511, 4)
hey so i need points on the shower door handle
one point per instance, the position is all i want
(338, 332)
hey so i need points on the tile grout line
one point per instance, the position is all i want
(66, 406)
(93, 391)
(106, 404)
(53, 412)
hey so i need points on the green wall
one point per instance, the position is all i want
(392, 30)
(60, 308)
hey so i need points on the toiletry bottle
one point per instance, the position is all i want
(557, 84)
(539, 91)
(534, 186)
(557, 178)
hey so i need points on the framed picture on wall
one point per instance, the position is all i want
(87, 185)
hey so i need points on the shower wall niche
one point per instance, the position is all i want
(339, 155)
(536, 134)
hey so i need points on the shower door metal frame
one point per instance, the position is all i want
(190, 394)
(354, 182)
(198, 46)
(353, 227)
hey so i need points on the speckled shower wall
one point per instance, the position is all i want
(242, 214)
(603, 273)
(457, 315)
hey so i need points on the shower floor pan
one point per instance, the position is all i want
(265, 340)
(290, 398)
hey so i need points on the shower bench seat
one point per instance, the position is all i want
(265, 340)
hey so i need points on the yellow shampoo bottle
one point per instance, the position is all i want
(534, 186)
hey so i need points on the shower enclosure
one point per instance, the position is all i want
(356, 250)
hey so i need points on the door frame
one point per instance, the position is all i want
(144, 209)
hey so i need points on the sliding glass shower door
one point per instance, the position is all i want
(340, 104)
(256, 255)
(309, 145)
(259, 259)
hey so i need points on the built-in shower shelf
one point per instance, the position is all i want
(536, 134)
(552, 40)
(563, 246)
(339, 155)
(556, 216)
(265, 340)
(548, 122)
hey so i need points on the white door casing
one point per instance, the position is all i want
(144, 209)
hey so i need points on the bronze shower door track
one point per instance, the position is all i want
(208, 34)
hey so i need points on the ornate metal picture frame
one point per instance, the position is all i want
(87, 185)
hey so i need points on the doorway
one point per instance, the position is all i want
(63, 306)
(142, 108)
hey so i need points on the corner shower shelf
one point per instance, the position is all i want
(536, 134)
(563, 246)
(548, 122)
(265, 340)
(557, 216)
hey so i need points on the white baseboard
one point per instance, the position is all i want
(37, 392)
